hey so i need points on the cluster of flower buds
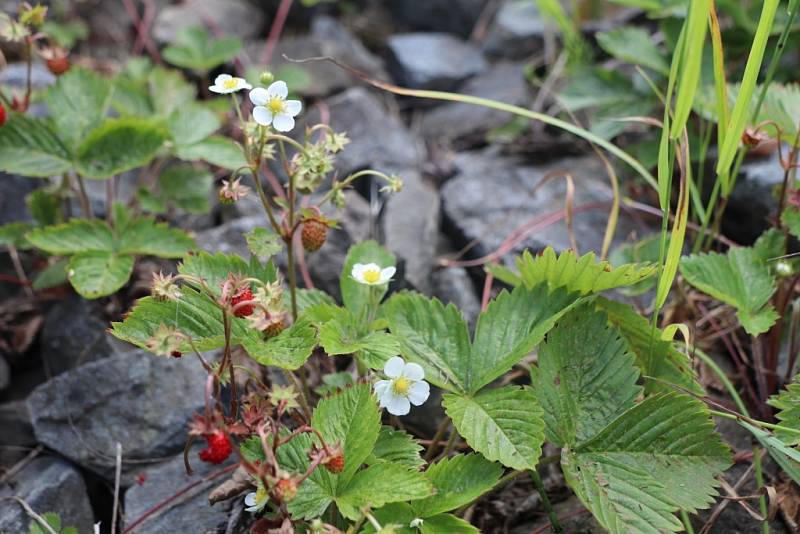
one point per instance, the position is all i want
(270, 314)
(163, 287)
(232, 191)
(166, 341)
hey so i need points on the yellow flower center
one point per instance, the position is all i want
(372, 276)
(230, 84)
(261, 495)
(402, 385)
(275, 105)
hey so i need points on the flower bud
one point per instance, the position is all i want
(783, 268)
(266, 77)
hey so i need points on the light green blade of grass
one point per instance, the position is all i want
(739, 116)
(691, 61)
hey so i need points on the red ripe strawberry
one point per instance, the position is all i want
(313, 234)
(218, 448)
(176, 354)
(3, 116)
(285, 489)
(58, 65)
(336, 464)
(243, 296)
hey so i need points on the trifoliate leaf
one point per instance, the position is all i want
(78, 235)
(504, 424)
(586, 377)
(144, 236)
(99, 273)
(457, 481)
(655, 356)
(78, 103)
(582, 274)
(263, 242)
(30, 147)
(355, 295)
(396, 446)
(195, 49)
(787, 402)
(657, 458)
(119, 145)
(739, 278)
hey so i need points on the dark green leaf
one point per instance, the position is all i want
(396, 446)
(78, 103)
(119, 145)
(195, 49)
(457, 481)
(28, 146)
(78, 235)
(191, 123)
(144, 236)
(98, 273)
(634, 45)
(217, 150)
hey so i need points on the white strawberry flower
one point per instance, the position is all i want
(256, 500)
(405, 387)
(225, 84)
(371, 274)
(273, 108)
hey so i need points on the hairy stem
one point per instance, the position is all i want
(551, 513)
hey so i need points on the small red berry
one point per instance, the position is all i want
(313, 234)
(243, 296)
(176, 354)
(218, 448)
(285, 489)
(3, 116)
(141, 478)
(58, 65)
(336, 464)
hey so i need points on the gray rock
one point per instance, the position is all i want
(410, 225)
(139, 400)
(191, 513)
(379, 139)
(494, 195)
(16, 75)
(467, 124)
(5, 373)
(327, 38)
(517, 30)
(73, 334)
(453, 284)
(231, 17)
(433, 60)
(47, 484)
(453, 16)
(17, 432)
(752, 199)
(229, 238)
(12, 194)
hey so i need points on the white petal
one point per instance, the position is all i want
(283, 122)
(250, 499)
(413, 371)
(394, 366)
(358, 270)
(262, 115)
(386, 398)
(278, 89)
(398, 405)
(292, 107)
(244, 85)
(387, 274)
(222, 78)
(419, 392)
(381, 386)
(259, 96)
(218, 89)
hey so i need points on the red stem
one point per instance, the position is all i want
(275, 31)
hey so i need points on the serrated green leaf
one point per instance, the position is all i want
(289, 350)
(191, 123)
(770, 245)
(215, 268)
(195, 49)
(634, 45)
(355, 295)
(791, 219)
(119, 145)
(657, 458)
(739, 278)
(402, 514)
(504, 424)
(586, 377)
(645, 250)
(315, 493)
(307, 298)
(457, 481)
(78, 235)
(151, 202)
(168, 90)
(785, 456)
(343, 335)
(145, 236)
(263, 242)
(513, 324)
(654, 356)
(53, 275)
(583, 274)
(186, 187)
(396, 446)
(14, 235)
(98, 273)
(787, 402)
(447, 524)
(29, 146)
(78, 103)
(217, 150)
(380, 484)
(433, 335)
(44, 207)
(252, 449)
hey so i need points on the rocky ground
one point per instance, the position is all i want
(69, 392)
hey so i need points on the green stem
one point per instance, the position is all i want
(86, 206)
(755, 422)
(762, 500)
(687, 523)
(551, 513)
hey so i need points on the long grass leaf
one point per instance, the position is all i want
(691, 61)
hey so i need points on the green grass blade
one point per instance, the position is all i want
(691, 61)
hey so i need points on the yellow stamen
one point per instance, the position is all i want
(230, 84)
(402, 385)
(275, 105)
(372, 276)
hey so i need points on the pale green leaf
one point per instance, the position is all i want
(380, 484)
(739, 278)
(45, 207)
(657, 458)
(52, 275)
(785, 456)
(396, 446)
(195, 49)
(78, 235)
(289, 350)
(98, 273)
(214, 269)
(633, 45)
(191, 123)
(586, 377)
(504, 424)
(217, 150)
(355, 295)
(14, 235)
(186, 187)
(78, 103)
(457, 481)
(401, 514)
(263, 242)
(787, 402)
(29, 147)
(169, 90)
(119, 145)
(145, 236)
(343, 335)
